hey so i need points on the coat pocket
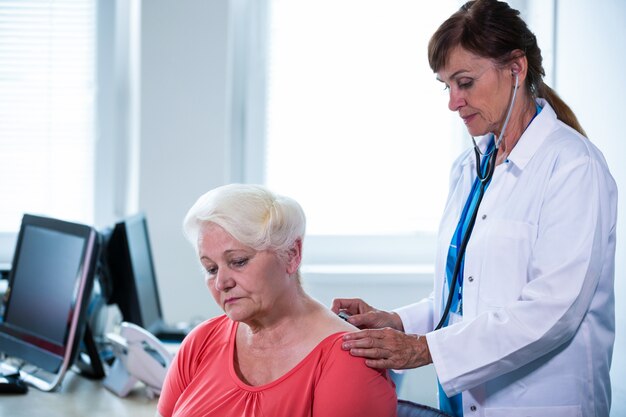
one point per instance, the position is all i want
(505, 266)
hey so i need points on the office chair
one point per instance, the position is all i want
(410, 409)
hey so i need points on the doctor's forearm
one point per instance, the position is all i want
(418, 353)
(423, 351)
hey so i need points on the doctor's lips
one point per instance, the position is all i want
(468, 118)
(230, 300)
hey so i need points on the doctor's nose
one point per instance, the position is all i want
(456, 100)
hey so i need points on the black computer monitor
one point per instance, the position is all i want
(132, 276)
(45, 305)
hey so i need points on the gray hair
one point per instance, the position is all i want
(252, 214)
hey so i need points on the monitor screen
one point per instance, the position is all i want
(45, 303)
(131, 268)
(44, 251)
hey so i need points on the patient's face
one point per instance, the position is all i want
(247, 284)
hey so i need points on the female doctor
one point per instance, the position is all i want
(521, 319)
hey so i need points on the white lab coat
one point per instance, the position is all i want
(538, 325)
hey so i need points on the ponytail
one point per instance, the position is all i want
(562, 110)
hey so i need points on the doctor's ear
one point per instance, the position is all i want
(518, 65)
(516, 68)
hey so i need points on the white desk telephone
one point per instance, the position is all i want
(139, 356)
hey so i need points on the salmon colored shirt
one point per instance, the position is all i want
(328, 382)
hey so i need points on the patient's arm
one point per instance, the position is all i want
(349, 388)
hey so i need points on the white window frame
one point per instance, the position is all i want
(117, 126)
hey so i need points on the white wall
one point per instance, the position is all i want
(591, 57)
(185, 145)
(184, 135)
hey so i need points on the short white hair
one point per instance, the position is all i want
(252, 214)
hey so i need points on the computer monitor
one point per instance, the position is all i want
(45, 305)
(128, 257)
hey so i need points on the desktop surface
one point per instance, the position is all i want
(77, 397)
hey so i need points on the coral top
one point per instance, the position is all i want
(328, 382)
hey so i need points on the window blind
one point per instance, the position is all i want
(47, 109)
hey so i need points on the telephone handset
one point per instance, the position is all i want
(140, 356)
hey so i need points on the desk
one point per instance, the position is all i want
(77, 397)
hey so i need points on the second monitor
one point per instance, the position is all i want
(133, 279)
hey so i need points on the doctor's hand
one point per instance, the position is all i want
(388, 348)
(364, 316)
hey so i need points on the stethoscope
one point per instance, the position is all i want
(484, 178)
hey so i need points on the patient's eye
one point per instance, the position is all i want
(239, 262)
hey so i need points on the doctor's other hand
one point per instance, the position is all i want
(388, 348)
(364, 316)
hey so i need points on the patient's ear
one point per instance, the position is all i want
(294, 257)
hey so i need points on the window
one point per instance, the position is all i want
(358, 127)
(47, 110)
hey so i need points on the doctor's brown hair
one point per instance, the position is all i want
(491, 29)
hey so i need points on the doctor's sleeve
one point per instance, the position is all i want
(417, 318)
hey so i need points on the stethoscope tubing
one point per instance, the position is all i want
(461, 253)
(484, 180)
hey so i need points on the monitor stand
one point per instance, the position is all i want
(88, 360)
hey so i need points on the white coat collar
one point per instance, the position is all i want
(531, 139)
(534, 135)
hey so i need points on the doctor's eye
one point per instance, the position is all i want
(466, 84)
(211, 270)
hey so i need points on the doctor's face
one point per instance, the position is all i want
(245, 283)
(479, 91)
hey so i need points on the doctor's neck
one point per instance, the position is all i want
(521, 116)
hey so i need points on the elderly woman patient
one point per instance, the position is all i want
(276, 351)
